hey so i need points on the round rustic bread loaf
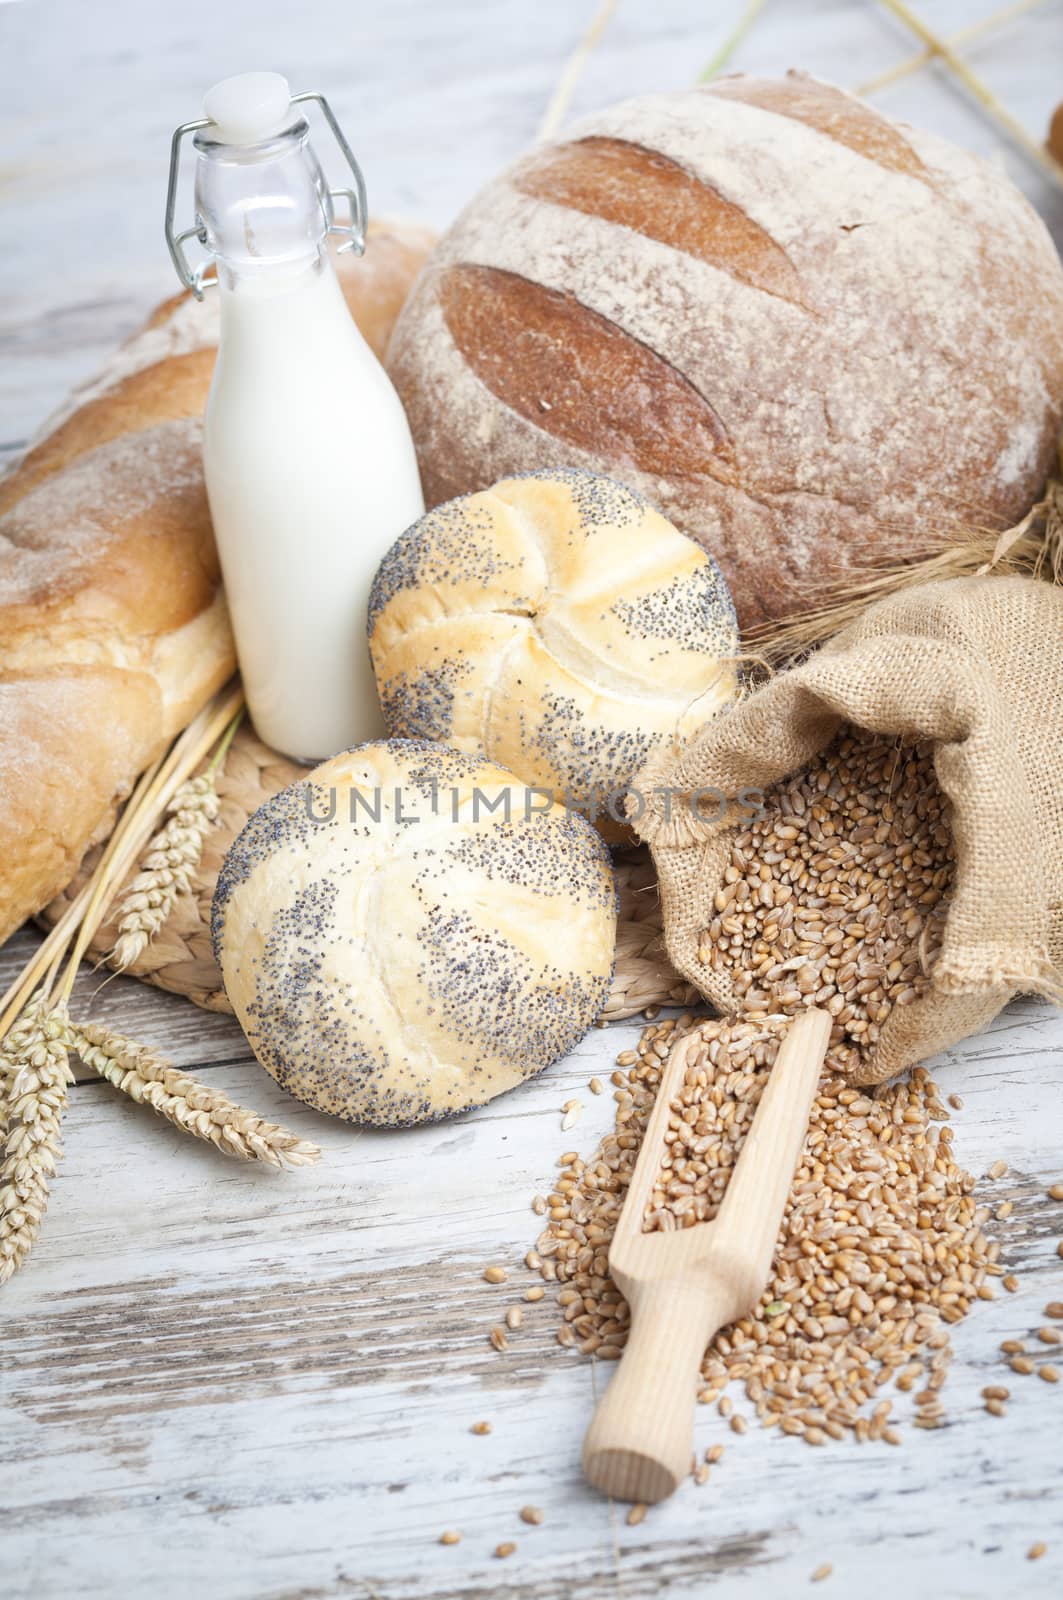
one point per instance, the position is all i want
(557, 623)
(405, 933)
(816, 339)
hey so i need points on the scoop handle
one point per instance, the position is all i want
(640, 1441)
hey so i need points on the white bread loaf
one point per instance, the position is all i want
(816, 339)
(557, 623)
(396, 948)
(113, 627)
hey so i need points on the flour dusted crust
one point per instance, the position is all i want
(400, 968)
(113, 624)
(556, 623)
(817, 340)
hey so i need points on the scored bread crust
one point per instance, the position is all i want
(113, 625)
(558, 624)
(815, 339)
(396, 948)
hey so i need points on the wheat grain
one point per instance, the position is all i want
(881, 1246)
(166, 868)
(189, 1105)
(836, 895)
(34, 1075)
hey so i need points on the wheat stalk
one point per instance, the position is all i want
(166, 869)
(171, 859)
(35, 1068)
(734, 39)
(554, 114)
(965, 36)
(154, 788)
(193, 1108)
(981, 92)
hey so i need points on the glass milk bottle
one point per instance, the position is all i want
(310, 468)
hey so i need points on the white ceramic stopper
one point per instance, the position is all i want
(248, 108)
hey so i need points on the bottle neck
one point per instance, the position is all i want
(264, 209)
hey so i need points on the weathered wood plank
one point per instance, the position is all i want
(254, 1384)
(264, 1382)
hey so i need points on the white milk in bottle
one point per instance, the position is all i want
(310, 468)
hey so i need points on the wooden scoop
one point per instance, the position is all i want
(683, 1286)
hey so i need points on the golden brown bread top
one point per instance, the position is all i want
(539, 350)
(556, 623)
(62, 765)
(116, 548)
(829, 111)
(166, 391)
(816, 340)
(641, 189)
(394, 971)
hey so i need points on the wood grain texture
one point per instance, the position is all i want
(683, 1287)
(261, 1384)
(258, 1386)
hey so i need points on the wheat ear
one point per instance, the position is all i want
(172, 857)
(166, 868)
(35, 1072)
(192, 1107)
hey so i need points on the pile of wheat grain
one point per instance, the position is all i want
(881, 1247)
(836, 895)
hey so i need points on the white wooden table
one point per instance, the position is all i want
(234, 1383)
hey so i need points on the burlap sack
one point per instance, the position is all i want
(976, 666)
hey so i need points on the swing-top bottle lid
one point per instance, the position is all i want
(258, 179)
(249, 108)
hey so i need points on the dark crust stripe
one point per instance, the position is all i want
(580, 378)
(831, 112)
(653, 195)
